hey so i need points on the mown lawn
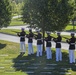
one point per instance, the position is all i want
(16, 22)
(69, 27)
(11, 31)
(11, 63)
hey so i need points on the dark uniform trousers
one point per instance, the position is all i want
(22, 41)
(58, 48)
(48, 47)
(39, 44)
(30, 43)
(71, 42)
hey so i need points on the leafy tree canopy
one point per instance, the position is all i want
(49, 15)
(74, 16)
(5, 13)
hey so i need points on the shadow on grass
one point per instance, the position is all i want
(2, 46)
(40, 65)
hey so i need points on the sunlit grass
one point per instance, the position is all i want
(69, 27)
(16, 22)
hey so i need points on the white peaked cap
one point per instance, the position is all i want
(22, 28)
(37, 30)
(48, 32)
(30, 28)
(72, 33)
(58, 32)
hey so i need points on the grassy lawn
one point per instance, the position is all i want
(11, 63)
(16, 22)
(69, 27)
(11, 31)
(14, 14)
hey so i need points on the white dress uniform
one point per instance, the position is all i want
(39, 43)
(71, 42)
(30, 41)
(58, 47)
(22, 41)
(48, 46)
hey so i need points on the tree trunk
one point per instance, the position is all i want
(43, 41)
(43, 32)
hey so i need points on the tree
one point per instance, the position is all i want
(74, 16)
(49, 15)
(13, 7)
(5, 13)
(16, 6)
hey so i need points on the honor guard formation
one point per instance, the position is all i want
(38, 37)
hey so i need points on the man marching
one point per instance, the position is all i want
(38, 37)
(30, 41)
(22, 41)
(71, 42)
(48, 46)
(58, 47)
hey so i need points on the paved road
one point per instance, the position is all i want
(16, 39)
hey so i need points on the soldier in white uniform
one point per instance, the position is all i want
(38, 37)
(30, 41)
(71, 43)
(48, 46)
(22, 41)
(58, 47)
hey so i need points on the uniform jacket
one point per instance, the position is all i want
(39, 39)
(22, 36)
(30, 37)
(58, 41)
(48, 41)
(71, 42)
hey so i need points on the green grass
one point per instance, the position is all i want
(14, 14)
(16, 22)
(11, 31)
(13, 60)
(69, 27)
